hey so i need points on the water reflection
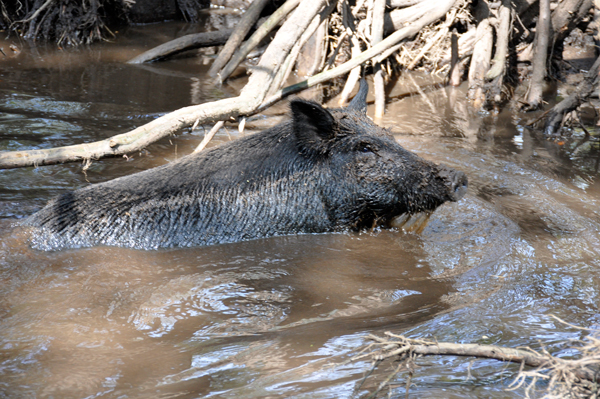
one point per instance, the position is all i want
(270, 317)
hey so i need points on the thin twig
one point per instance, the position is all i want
(35, 14)
(209, 136)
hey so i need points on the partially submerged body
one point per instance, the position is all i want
(324, 171)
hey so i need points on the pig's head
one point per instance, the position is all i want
(368, 177)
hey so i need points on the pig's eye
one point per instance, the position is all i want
(365, 148)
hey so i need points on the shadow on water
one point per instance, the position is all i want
(281, 317)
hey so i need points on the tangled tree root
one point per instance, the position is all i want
(556, 115)
(68, 22)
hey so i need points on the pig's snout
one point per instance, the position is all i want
(456, 182)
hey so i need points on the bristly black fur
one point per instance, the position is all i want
(324, 171)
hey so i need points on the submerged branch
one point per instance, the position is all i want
(581, 372)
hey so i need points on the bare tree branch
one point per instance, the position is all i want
(184, 43)
(239, 34)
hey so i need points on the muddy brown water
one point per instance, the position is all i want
(282, 317)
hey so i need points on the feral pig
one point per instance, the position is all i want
(324, 171)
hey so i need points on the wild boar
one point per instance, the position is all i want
(325, 170)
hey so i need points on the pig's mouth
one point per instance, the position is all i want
(411, 222)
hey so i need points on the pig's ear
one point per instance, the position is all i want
(313, 125)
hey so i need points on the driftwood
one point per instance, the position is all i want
(209, 136)
(266, 27)
(396, 19)
(578, 376)
(433, 42)
(403, 345)
(313, 54)
(401, 3)
(286, 68)
(377, 52)
(184, 43)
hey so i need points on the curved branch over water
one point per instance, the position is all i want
(246, 103)
(250, 100)
(184, 43)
